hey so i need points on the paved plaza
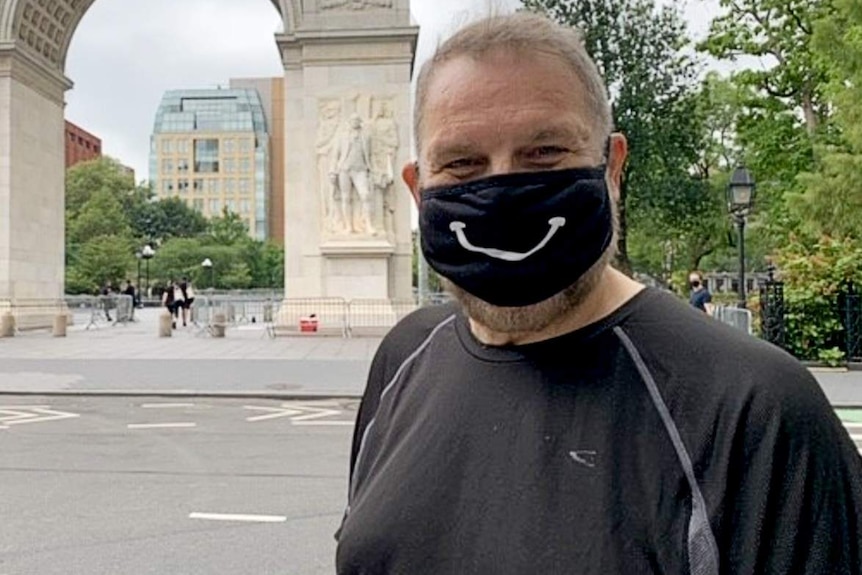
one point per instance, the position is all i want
(130, 358)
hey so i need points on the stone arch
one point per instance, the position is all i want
(45, 28)
(35, 36)
(352, 50)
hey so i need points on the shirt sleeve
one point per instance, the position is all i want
(794, 498)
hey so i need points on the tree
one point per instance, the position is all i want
(832, 196)
(101, 215)
(783, 109)
(227, 229)
(98, 260)
(102, 175)
(779, 32)
(640, 52)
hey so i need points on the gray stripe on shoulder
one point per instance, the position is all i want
(703, 556)
(398, 372)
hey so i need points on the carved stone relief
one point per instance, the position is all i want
(354, 4)
(44, 25)
(356, 145)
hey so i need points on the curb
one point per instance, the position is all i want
(262, 394)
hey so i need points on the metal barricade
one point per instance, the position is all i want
(295, 315)
(734, 316)
(371, 317)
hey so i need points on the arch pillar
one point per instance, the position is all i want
(31, 177)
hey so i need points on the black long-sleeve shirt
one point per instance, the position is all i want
(654, 441)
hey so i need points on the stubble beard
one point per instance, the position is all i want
(536, 317)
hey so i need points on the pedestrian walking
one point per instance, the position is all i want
(560, 417)
(699, 296)
(188, 294)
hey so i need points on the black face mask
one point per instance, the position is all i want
(695, 284)
(517, 239)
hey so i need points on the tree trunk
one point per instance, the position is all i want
(622, 260)
(811, 121)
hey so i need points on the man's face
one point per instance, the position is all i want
(508, 112)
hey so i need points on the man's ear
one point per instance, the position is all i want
(618, 150)
(410, 174)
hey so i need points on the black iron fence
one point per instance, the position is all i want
(806, 326)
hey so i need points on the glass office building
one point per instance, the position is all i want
(211, 148)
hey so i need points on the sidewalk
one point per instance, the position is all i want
(132, 359)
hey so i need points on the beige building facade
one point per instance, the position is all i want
(211, 149)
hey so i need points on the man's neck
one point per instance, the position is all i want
(612, 291)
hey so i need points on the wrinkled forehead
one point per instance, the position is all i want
(481, 86)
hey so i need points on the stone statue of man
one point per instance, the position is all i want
(351, 172)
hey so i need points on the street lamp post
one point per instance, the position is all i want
(207, 264)
(147, 253)
(740, 199)
(138, 256)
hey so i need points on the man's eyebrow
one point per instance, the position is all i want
(450, 149)
(560, 133)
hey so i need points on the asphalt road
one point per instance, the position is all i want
(142, 485)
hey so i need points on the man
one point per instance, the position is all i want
(563, 418)
(352, 167)
(700, 297)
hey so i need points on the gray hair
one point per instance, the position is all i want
(523, 32)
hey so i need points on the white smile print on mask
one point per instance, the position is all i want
(459, 227)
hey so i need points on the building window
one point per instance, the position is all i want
(231, 206)
(167, 146)
(183, 166)
(229, 165)
(244, 145)
(229, 185)
(245, 165)
(244, 186)
(183, 146)
(229, 146)
(198, 205)
(245, 207)
(183, 185)
(215, 206)
(212, 186)
(167, 187)
(167, 166)
(206, 156)
(198, 185)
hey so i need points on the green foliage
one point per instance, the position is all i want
(815, 275)
(108, 219)
(832, 196)
(99, 260)
(639, 48)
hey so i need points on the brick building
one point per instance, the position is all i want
(81, 145)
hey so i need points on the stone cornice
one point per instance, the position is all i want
(33, 72)
(370, 46)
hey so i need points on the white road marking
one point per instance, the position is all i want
(160, 425)
(166, 405)
(275, 413)
(300, 413)
(239, 517)
(323, 423)
(18, 414)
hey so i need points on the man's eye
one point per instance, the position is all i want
(462, 164)
(546, 153)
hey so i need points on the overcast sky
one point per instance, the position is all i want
(127, 53)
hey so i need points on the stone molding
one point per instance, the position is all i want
(357, 248)
(25, 68)
(327, 48)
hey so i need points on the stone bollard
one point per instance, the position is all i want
(60, 322)
(165, 324)
(219, 324)
(7, 325)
